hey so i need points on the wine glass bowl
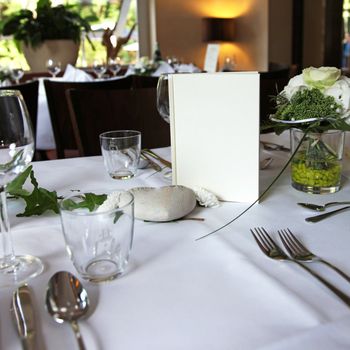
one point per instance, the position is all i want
(99, 68)
(163, 97)
(53, 66)
(114, 65)
(16, 152)
(17, 74)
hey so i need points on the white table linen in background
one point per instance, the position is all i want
(178, 293)
(44, 134)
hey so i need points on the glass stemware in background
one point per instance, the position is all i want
(16, 152)
(174, 62)
(163, 106)
(114, 65)
(53, 66)
(17, 74)
(99, 68)
(163, 97)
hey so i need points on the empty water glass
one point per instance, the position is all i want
(121, 152)
(99, 240)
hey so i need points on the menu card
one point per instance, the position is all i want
(214, 121)
(211, 58)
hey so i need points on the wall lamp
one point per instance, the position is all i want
(218, 29)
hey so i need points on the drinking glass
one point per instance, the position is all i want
(53, 66)
(121, 151)
(17, 74)
(99, 241)
(16, 152)
(99, 68)
(114, 65)
(163, 97)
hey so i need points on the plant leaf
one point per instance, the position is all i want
(14, 188)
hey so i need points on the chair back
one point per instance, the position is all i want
(58, 107)
(29, 92)
(96, 111)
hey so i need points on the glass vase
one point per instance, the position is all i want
(317, 165)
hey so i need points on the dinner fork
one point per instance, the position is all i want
(273, 251)
(299, 252)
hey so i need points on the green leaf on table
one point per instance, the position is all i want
(39, 201)
(15, 187)
(89, 201)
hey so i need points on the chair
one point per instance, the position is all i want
(271, 83)
(97, 111)
(58, 107)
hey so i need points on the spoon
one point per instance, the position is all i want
(318, 207)
(67, 300)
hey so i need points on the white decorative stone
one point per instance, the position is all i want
(163, 204)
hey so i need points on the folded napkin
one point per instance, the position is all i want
(74, 74)
(163, 68)
(188, 68)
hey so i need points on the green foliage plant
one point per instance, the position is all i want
(46, 23)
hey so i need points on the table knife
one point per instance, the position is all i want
(156, 156)
(22, 309)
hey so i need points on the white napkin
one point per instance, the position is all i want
(163, 68)
(74, 74)
(188, 68)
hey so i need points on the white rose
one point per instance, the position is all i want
(295, 84)
(321, 78)
(341, 92)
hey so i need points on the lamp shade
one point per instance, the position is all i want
(218, 29)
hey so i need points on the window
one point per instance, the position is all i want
(101, 14)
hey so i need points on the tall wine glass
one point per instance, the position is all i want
(163, 97)
(53, 66)
(114, 65)
(99, 68)
(17, 74)
(16, 152)
(163, 106)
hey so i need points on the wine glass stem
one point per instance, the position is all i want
(8, 256)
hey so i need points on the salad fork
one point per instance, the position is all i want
(273, 251)
(299, 252)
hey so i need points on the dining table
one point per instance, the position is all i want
(181, 291)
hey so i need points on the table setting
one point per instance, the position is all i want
(157, 264)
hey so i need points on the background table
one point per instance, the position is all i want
(178, 293)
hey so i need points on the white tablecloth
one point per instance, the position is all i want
(178, 293)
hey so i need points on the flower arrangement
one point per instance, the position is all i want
(316, 100)
(315, 104)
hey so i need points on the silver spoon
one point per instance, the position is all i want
(323, 207)
(67, 300)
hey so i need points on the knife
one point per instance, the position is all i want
(156, 156)
(22, 310)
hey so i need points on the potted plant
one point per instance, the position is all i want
(49, 32)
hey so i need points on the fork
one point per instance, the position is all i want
(299, 252)
(273, 251)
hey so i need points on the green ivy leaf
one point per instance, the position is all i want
(14, 188)
(89, 201)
